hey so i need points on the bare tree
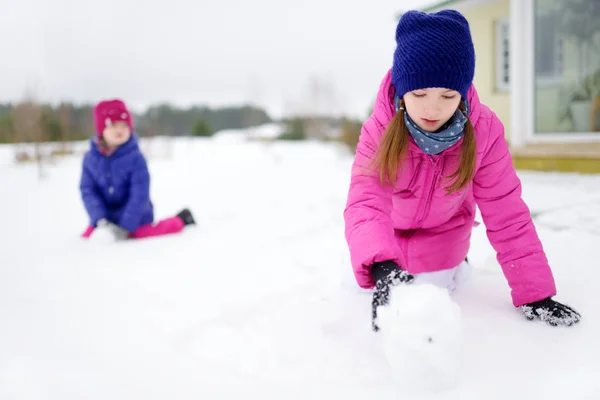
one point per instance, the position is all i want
(255, 97)
(155, 128)
(28, 129)
(321, 107)
(64, 120)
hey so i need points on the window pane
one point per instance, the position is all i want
(567, 66)
(502, 55)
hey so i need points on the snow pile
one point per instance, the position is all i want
(259, 299)
(421, 337)
(269, 131)
(266, 131)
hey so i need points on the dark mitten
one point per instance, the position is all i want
(386, 275)
(551, 312)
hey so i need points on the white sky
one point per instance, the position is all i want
(198, 51)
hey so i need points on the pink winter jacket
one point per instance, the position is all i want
(422, 229)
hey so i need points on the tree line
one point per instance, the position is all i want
(29, 121)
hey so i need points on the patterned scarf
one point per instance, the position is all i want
(445, 137)
(103, 148)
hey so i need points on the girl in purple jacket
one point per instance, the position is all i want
(115, 182)
(428, 154)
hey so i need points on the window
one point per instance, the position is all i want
(548, 46)
(566, 37)
(502, 55)
(548, 50)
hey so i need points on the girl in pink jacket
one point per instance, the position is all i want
(428, 154)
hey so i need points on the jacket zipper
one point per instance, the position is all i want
(416, 223)
(432, 184)
(109, 178)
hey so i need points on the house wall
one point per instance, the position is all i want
(482, 19)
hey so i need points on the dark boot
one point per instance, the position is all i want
(186, 217)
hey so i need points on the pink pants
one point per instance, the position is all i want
(166, 226)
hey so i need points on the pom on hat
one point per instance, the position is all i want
(433, 50)
(108, 112)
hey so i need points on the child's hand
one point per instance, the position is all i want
(551, 312)
(88, 232)
(386, 274)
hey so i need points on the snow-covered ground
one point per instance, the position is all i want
(259, 299)
(262, 132)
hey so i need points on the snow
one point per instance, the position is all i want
(259, 298)
(268, 131)
(421, 337)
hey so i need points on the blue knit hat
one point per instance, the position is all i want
(433, 50)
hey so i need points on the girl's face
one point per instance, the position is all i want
(432, 107)
(116, 134)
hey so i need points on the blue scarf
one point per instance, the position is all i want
(445, 137)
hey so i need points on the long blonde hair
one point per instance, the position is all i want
(394, 145)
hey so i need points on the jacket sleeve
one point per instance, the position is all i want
(92, 200)
(139, 196)
(510, 229)
(369, 229)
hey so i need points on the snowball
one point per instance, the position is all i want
(421, 337)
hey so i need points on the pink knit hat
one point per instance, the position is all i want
(108, 112)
